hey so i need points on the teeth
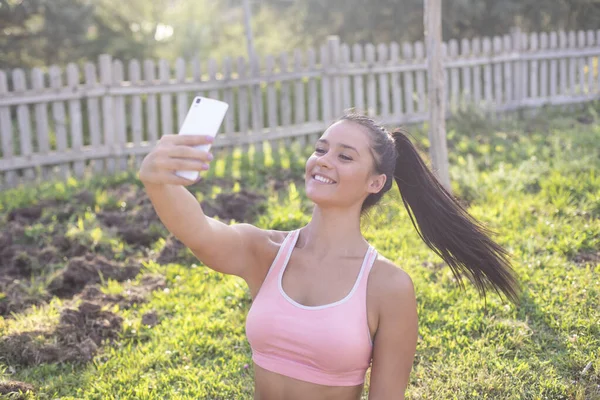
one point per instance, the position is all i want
(322, 179)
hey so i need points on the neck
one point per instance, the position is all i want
(333, 233)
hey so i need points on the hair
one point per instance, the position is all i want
(441, 222)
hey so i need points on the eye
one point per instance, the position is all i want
(345, 158)
(318, 150)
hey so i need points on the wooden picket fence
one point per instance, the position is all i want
(105, 118)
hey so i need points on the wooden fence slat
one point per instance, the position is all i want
(299, 102)
(183, 104)
(359, 93)
(313, 95)
(228, 124)
(257, 111)
(6, 135)
(420, 77)
(524, 85)
(94, 117)
(346, 86)
(284, 97)
(23, 122)
(533, 72)
(137, 127)
(553, 77)
(498, 84)
(384, 92)
(166, 109)
(465, 52)
(272, 104)
(76, 120)
(120, 118)
(591, 42)
(446, 73)
(476, 51)
(41, 120)
(507, 45)
(60, 119)
(454, 88)
(333, 43)
(395, 81)
(371, 82)
(598, 61)
(572, 64)
(407, 55)
(563, 44)
(108, 131)
(543, 67)
(487, 72)
(243, 102)
(151, 103)
(326, 96)
(581, 63)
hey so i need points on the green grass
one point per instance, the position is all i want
(535, 181)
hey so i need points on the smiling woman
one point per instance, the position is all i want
(326, 305)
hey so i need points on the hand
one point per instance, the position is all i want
(175, 153)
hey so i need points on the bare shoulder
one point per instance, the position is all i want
(392, 284)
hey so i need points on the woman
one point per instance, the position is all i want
(326, 305)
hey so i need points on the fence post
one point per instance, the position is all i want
(333, 43)
(105, 63)
(517, 76)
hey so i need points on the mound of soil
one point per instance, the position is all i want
(239, 206)
(131, 295)
(584, 257)
(81, 271)
(13, 388)
(171, 250)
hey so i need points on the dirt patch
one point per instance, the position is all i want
(239, 206)
(171, 251)
(587, 257)
(131, 295)
(14, 296)
(14, 388)
(89, 269)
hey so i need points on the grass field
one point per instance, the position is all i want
(97, 301)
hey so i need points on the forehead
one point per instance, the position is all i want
(347, 132)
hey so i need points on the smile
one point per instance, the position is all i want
(323, 180)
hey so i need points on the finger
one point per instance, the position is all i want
(172, 179)
(185, 164)
(191, 140)
(189, 152)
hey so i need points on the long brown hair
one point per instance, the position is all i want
(440, 220)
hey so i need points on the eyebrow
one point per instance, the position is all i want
(346, 146)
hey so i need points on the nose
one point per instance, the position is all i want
(323, 161)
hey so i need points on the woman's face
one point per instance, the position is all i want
(340, 171)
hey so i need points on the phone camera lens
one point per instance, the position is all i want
(197, 101)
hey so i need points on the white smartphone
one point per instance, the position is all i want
(204, 117)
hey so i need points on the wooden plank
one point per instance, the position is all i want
(563, 44)
(257, 110)
(333, 43)
(581, 87)
(243, 102)
(299, 97)
(476, 50)
(407, 55)
(384, 92)
(446, 75)
(313, 94)
(272, 104)
(151, 102)
(108, 131)
(465, 53)
(346, 85)
(524, 38)
(371, 82)
(60, 120)
(284, 98)
(229, 122)
(395, 80)
(212, 76)
(166, 109)
(487, 72)
(359, 92)
(508, 71)
(454, 88)
(591, 42)
(598, 60)
(183, 103)
(498, 84)
(533, 67)
(326, 95)
(120, 119)
(76, 120)
(6, 137)
(23, 122)
(137, 127)
(420, 77)
(572, 36)
(553, 77)
(41, 120)
(94, 117)
(543, 92)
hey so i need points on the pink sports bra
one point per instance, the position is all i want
(327, 345)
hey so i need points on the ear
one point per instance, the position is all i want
(376, 183)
